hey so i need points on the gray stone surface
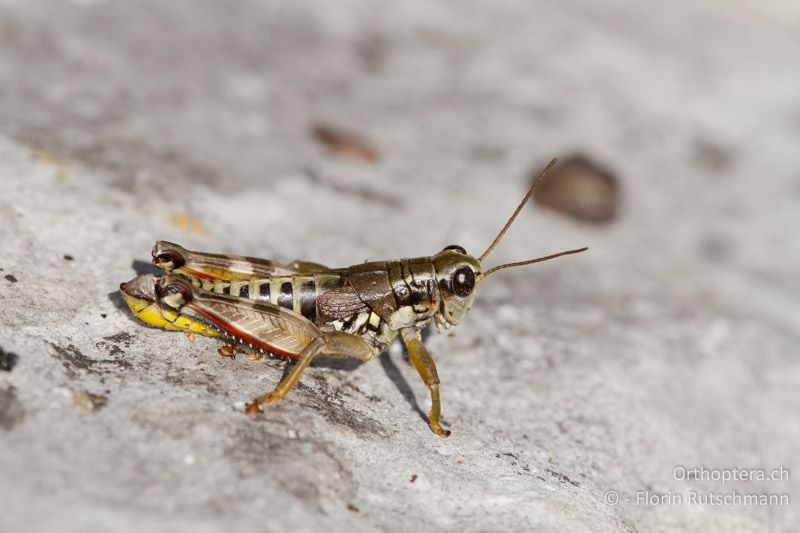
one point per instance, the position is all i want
(674, 341)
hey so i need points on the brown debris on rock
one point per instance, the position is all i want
(344, 144)
(581, 189)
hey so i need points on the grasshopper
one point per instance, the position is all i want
(303, 310)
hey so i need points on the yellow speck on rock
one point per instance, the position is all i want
(189, 224)
(61, 162)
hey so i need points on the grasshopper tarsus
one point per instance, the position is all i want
(252, 409)
(441, 432)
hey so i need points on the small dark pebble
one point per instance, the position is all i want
(351, 507)
(580, 188)
(7, 360)
(713, 156)
(413, 478)
(68, 257)
(11, 278)
(103, 315)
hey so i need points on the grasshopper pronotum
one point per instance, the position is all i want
(303, 310)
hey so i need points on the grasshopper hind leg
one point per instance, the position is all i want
(290, 380)
(333, 344)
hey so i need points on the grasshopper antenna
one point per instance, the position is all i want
(531, 261)
(524, 201)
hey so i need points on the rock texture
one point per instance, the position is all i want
(672, 342)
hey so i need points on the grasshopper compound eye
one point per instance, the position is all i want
(463, 281)
(175, 293)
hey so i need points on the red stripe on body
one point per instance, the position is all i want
(202, 275)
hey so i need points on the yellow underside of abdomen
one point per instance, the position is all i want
(163, 318)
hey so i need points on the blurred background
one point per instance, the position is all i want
(351, 130)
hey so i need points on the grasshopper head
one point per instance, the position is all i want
(458, 273)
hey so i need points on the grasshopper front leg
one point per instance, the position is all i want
(426, 367)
